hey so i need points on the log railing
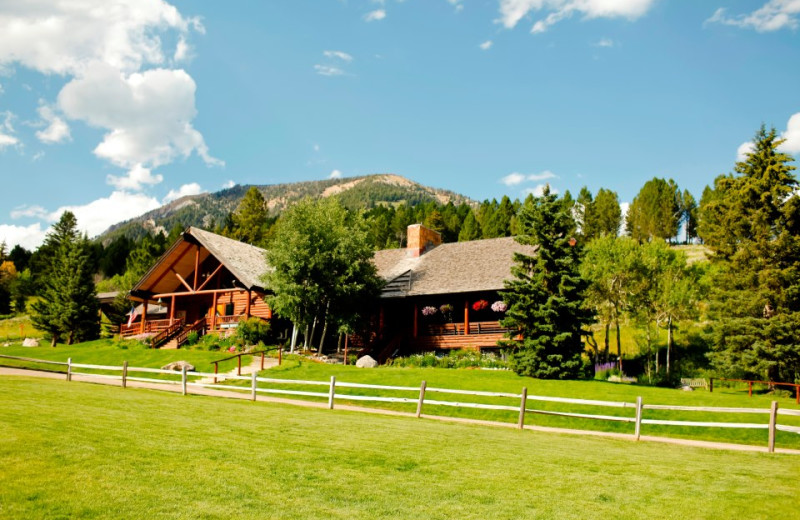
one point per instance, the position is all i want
(199, 326)
(150, 327)
(457, 329)
(166, 334)
(751, 382)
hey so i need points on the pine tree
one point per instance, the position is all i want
(68, 306)
(751, 220)
(471, 230)
(655, 211)
(546, 296)
(606, 214)
(250, 219)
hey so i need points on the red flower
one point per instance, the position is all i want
(480, 305)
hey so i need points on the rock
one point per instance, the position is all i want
(6, 344)
(687, 388)
(30, 342)
(178, 366)
(366, 362)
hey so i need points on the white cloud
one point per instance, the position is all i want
(181, 50)
(96, 216)
(604, 42)
(64, 37)
(538, 190)
(148, 114)
(338, 55)
(7, 130)
(29, 212)
(335, 174)
(377, 14)
(229, 184)
(316, 147)
(1, 88)
(187, 189)
(792, 135)
(512, 11)
(512, 179)
(57, 130)
(743, 150)
(546, 174)
(29, 237)
(486, 45)
(37, 156)
(623, 207)
(457, 4)
(136, 179)
(328, 70)
(772, 16)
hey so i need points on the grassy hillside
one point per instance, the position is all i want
(90, 451)
(10, 329)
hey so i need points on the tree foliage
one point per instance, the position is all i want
(656, 211)
(67, 306)
(546, 296)
(251, 219)
(751, 220)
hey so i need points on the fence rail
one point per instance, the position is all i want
(421, 401)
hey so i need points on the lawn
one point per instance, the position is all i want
(92, 451)
(10, 329)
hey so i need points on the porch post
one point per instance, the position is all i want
(247, 306)
(466, 316)
(172, 310)
(144, 317)
(381, 318)
(196, 266)
(214, 312)
(416, 313)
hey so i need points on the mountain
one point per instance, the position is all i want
(207, 209)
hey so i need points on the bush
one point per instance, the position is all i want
(192, 338)
(252, 331)
(453, 359)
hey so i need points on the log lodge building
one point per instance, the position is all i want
(436, 296)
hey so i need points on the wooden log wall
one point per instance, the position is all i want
(258, 307)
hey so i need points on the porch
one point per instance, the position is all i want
(468, 335)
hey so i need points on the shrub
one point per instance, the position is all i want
(253, 330)
(453, 359)
(192, 338)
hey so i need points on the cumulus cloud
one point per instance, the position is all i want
(229, 184)
(136, 179)
(64, 37)
(377, 14)
(516, 178)
(456, 4)
(791, 137)
(486, 45)
(57, 131)
(335, 174)
(546, 174)
(512, 179)
(512, 11)
(187, 189)
(338, 55)
(29, 212)
(29, 237)
(148, 114)
(772, 16)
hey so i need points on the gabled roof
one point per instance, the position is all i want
(245, 262)
(458, 267)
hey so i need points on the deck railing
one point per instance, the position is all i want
(457, 329)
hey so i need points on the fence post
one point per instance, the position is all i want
(421, 398)
(262, 360)
(183, 380)
(253, 387)
(749, 389)
(639, 407)
(280, 355)
(124, 374)
(711, 384)
(773, 420)
(216, 367)
(239, 365)
(797, 393)
(69, 369)
(331, 392)
(522, 403)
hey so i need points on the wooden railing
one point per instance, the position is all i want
(457, 329)
(150, 326)
(199, 326)
(224, 322)
(239, 359)
(516, 404)
(750, 382)
(166, 334)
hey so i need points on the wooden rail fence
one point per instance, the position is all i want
(330, 390)
(751, 382)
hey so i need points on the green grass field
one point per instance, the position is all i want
(91, 451)
(10, 329)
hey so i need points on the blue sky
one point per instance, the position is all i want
(113, 110)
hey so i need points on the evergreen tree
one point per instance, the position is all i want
(751, 220)
(546, 296)
(20, 256)
(606, 214)
(250, 219)
(68, 306)
(471, 230)
(689, 208)
(582, 212)
(655, 211)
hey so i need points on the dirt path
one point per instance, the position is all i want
(245, 394)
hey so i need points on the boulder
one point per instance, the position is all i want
(30, 342)
(178, 366)
(366, 362)
(687, 388)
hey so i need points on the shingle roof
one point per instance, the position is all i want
(247, 263)
(459, 267)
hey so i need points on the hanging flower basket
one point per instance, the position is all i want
(429, 311)
(499, 306)
(446, 308)
(480, 305)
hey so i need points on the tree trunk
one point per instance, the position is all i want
(53, 341)
(339, 343)
(70, 337)
(619, 344)
(294, 338)
(313, 332)
(305, 338)
(324, 329)
(669, 342)
(605, 353)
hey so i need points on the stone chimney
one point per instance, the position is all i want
(421, 239)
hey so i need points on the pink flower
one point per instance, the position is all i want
(499, 306)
